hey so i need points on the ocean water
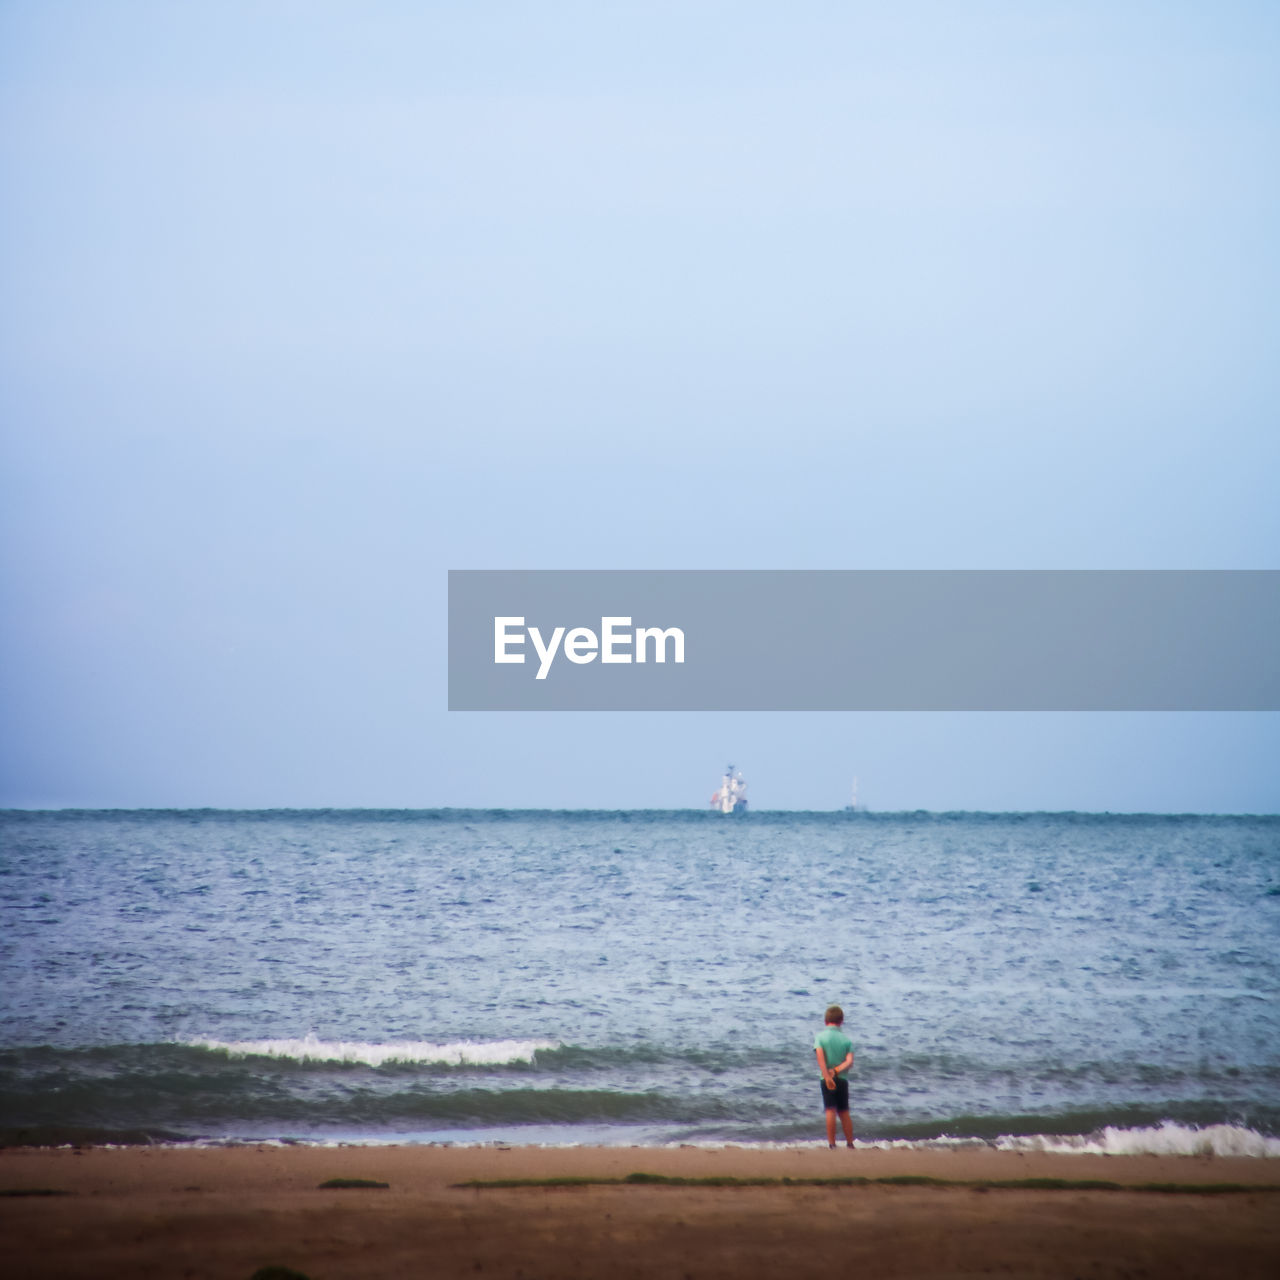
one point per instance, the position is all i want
(1076, 981)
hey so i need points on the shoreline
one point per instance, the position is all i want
(1169, 1138)
(433, 1163)
(218, 1212)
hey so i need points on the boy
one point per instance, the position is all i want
(835, 1057)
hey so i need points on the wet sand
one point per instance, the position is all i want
(226, 1212)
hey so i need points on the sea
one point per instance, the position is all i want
(1054, 981)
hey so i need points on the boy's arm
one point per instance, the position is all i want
(828, 1077)
(845, 1065)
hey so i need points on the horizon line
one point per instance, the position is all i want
(860, 811)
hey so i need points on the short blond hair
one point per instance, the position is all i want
(834, 1014)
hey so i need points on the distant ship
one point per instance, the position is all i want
(732, 796)
(854, 806)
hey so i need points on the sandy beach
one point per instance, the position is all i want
(226, 1212)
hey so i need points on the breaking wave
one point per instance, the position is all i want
(1166, 1139)
(309, 1048)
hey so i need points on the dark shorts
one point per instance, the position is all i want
(836, 1099)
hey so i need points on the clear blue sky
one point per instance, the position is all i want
(305, 304)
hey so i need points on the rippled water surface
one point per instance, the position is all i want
(437, 973)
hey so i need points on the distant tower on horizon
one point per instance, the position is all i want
(852, 806)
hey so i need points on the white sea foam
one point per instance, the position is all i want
(1166, 1139)
(311, 1049)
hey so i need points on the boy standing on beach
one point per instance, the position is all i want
(835, 1057)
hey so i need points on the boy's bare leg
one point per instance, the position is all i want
(831, 1126)
(846, 1123)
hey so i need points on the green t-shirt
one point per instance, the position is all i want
(835, 1046)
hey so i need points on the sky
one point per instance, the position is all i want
(305, 304)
